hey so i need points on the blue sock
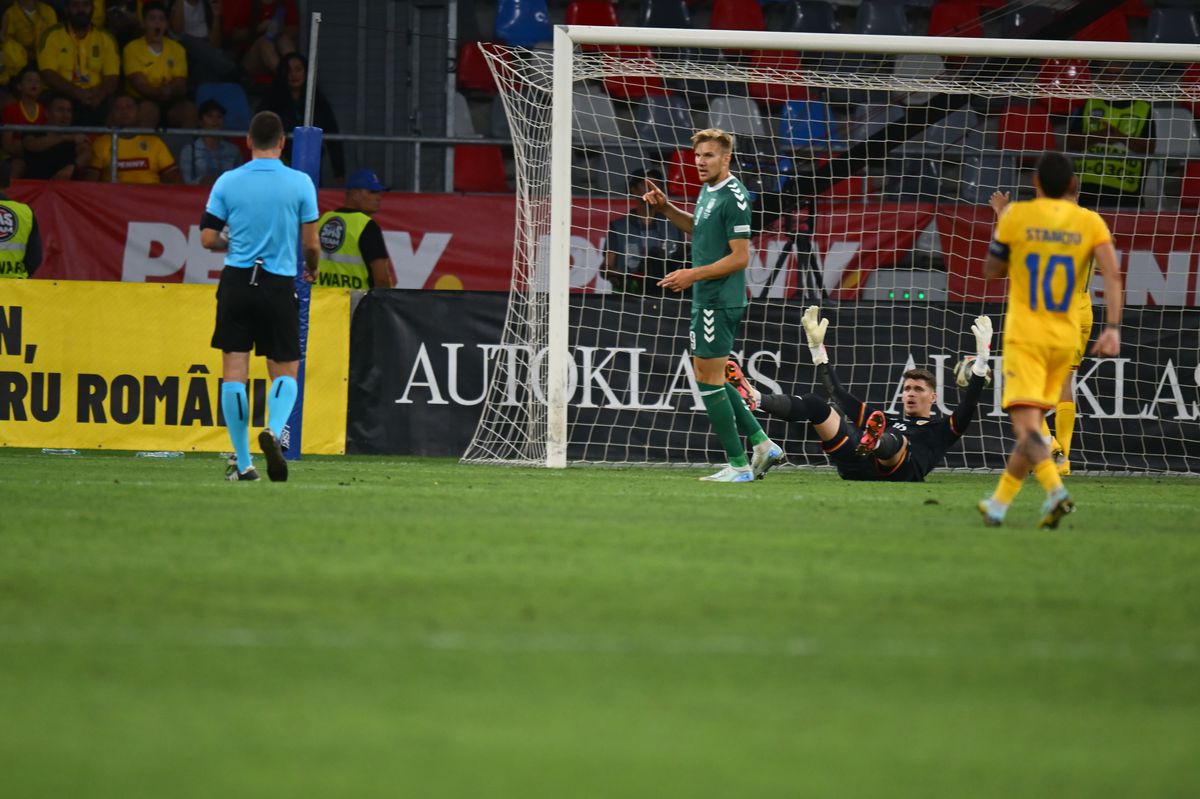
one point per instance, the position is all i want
(280, 402)
(236, 407)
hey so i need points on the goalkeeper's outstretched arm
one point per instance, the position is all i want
(964, 414)
(814, 329)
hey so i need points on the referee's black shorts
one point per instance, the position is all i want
(265, 317)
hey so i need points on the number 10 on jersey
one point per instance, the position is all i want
(1045, 279)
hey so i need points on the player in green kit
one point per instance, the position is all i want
(720, 228)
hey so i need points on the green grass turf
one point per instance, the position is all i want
(405, 627)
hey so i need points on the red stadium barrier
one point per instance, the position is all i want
(438, 241)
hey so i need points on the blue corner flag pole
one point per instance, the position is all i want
(306, 157)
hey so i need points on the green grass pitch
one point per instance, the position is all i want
(398, 627)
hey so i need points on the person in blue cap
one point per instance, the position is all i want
(353, 255)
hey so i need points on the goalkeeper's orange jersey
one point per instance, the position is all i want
(1048, 245)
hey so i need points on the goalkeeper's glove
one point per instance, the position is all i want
(814, 329)
(983, 344)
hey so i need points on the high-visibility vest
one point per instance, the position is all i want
(1120, 170)
(16, 223)
(342, 265)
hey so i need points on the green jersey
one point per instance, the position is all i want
(722, 213)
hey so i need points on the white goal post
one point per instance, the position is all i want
(897, 164)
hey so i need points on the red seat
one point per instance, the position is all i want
(625, 86)
(737, 15)
(683, 181)
(775, 94)
(1027, 130)
(474, 76)
(592, 12)
(1112, 27)
(479, 168)
(1189, 190)
(1059, 75)
(955, 18)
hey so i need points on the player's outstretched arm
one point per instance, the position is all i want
(1108, 344)
(998, 201)
(656, 198)
(964, 414)
(814, 330)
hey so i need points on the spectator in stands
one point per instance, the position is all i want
(353, 254)
(81, 61)
(25, 21)
(21, 254)
(56, 156)
(196, 24)
(23, 110)
(123, 19)
(641, 246)
(156, 73)
(12, 60)
(140, 158)
(204, 159)
(1112, 135)
(262, 32)
(286, 98)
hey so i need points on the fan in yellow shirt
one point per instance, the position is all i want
(156, 73)
(80, 61)
(25, 21)
(1048, 244)
(140, 158)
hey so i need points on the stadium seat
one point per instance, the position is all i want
(983, 174)
(474, 77)
(808, 124)
(595, 119)
(737, 15)
(1189, 189)
(522, 23)
(882, 18)
(737, 115)
(810, 16)
(913, 180)
(610, 171)
(961, 129)
(1023, 21)
(773, 94)
(592, 12)
(955, 18)
(462, 123)
(1173, 25)
(624, 87)
(232, 98)
(1061, 75)
(1175, 131)
(1112, 27)
(498, 127)
(479, 168)
(1027, 130)
(664, 14)
(683, 181)
(664, 122)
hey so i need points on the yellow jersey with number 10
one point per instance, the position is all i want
(1048, 245)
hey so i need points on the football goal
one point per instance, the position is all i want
(871, 161)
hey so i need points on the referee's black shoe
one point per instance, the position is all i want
(234, 475)
(277, 468)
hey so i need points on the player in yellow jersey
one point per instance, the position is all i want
(1046, 247)
(1064, 413)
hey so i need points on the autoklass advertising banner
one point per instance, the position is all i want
(422, 361)
(119, 366)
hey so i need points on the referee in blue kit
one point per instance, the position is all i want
(263, 203)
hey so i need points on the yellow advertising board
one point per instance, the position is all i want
(107, 365)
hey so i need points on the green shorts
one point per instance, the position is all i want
(712, 331)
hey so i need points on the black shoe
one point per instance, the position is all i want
(233, 475)
(277, 468)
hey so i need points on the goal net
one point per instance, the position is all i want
(871, 161)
